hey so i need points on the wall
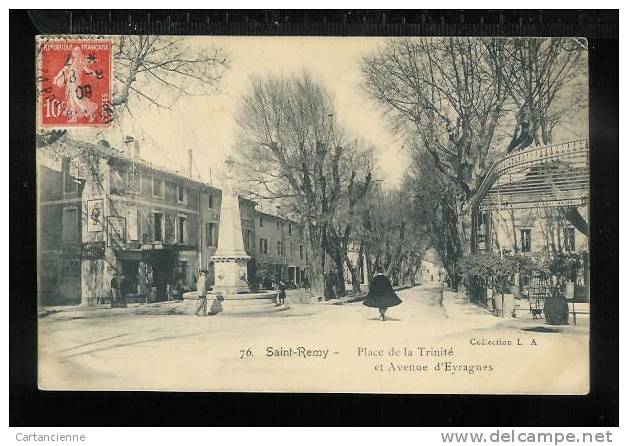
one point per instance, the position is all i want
(276, 229)
(58, 271)
(545, 225)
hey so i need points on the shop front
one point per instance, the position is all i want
(170, 270)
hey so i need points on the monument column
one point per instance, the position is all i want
(230, 259)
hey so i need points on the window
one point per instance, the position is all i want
(261, 221)
(291, 249)
(70, 183)
(182, 272)
(301, 251)
(133, 180)
(526, 240)
(263, 246)
(158, 227)
(132, 224)
(248, 236)
(181, 229)
(278, 247)
(210, 201)
(570, 239)
(70, 225)
(181, 195)
(289, 228)
(278, 226)
(158, 187)
(211, 234)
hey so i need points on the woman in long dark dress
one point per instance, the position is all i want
(381, 294)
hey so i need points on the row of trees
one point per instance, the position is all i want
(462, 102)
(293, 149)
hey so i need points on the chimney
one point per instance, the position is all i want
(135, 151)
(190, 163)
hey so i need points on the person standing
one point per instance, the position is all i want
(201, 293)
(381, 294)
(115, 291)
(122, 291)
(281, 296)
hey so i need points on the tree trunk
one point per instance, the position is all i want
(340, 273)
(451, 244)
(355, 272)
(317, 261)
(573, 216)
(370, 265)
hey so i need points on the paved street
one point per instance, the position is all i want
(334, 348)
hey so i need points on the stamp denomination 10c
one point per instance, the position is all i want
(74, 82)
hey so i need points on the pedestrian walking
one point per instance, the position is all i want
(381, 294)
(281, 295)
(201, 293)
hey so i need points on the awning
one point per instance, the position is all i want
(128, 254)
(538, 177)
(170, 247)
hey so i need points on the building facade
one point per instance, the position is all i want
(532, 231)
(110, 213)
(281, 253)
(539, 232)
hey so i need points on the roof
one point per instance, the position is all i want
(275, 215)
(103, 149)
(548, 176)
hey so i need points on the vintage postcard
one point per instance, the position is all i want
(400, 215)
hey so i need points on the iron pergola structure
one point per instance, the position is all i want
(555, 176)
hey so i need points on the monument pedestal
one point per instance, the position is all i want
(230, 275)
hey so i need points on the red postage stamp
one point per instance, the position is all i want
(75, 82)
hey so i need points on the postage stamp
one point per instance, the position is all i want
(75, 82)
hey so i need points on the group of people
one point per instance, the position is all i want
(381, 294)
(201, 294)
(268, 283)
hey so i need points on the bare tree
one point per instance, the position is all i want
(448, 97)
(293, 149)
(160, 69)
(393, 233)
(346, 217)
(454, 98)
(541, 69)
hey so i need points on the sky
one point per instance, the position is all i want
(206, 124)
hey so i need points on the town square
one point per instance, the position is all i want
(308, 214)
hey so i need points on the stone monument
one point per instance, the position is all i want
(231, 293)
(230, 259)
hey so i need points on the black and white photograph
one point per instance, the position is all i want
(313, 214)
